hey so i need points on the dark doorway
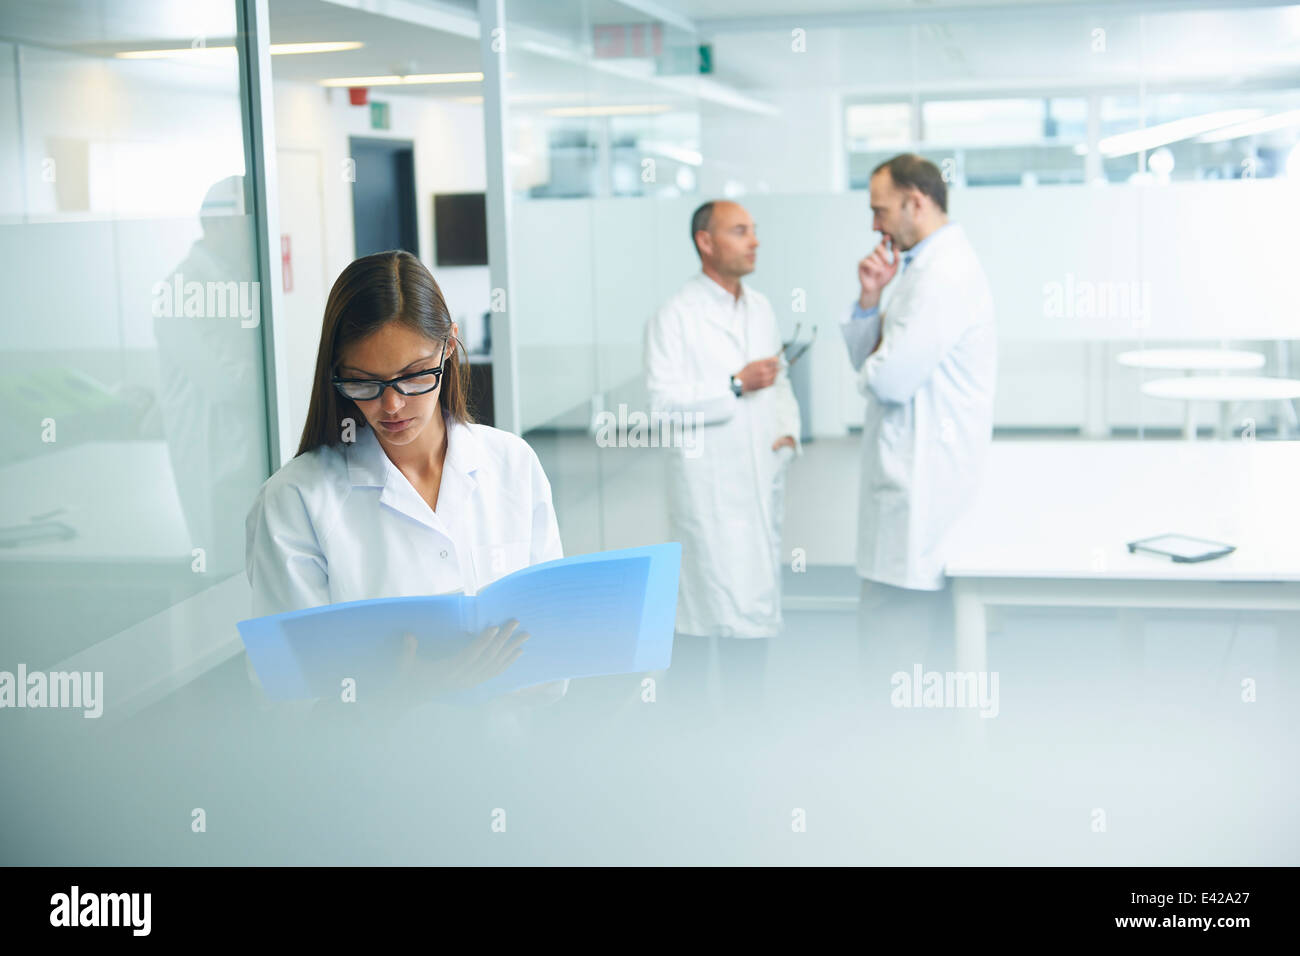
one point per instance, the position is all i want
(383, 196)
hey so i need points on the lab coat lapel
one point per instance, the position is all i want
(722, 310)
(369, 466)
(915, 270)
(459, 477)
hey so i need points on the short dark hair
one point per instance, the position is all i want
(701, 219)
(910, 171)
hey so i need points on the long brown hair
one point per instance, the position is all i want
(373, 291)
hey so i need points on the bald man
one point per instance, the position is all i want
(713, 350)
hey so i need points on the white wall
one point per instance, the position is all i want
(1215, 257)
(1212, 262)
(797, 151)
(448, 138)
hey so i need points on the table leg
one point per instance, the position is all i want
(1132, 634)
(969, 626)
(971, 633)
(1288, 419)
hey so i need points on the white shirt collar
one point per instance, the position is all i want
(369, 464)
(718, 293)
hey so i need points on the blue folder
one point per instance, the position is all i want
(611, 612)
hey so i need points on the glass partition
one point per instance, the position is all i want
(605, 156)
(131, 351)
(1127, 180)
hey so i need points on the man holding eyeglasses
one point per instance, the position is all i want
(714, 351)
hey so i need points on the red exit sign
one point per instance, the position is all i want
(615, 40)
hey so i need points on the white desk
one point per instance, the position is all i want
(1193, 360)
(1053, 519)
(1225, 390)
(119, 497)
(1189, 361)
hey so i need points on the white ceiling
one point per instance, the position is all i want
(1008, 49)
(390, 45)
(1241, 47)
(871, 47)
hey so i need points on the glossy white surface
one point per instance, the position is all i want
(1225, 388)
(120, 498)
(1053, 510)
(1194, 360)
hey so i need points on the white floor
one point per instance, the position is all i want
(610, 498)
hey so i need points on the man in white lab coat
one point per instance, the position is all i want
(925, 360)
(713, 351)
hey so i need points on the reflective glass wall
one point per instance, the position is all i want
(603, 113)
(131, 382)
(1129, 182)
(1095, 158)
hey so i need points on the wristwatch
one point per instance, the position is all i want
(737, 386)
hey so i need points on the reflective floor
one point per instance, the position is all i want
(1117, 739)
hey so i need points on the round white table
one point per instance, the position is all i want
(1193, 360)
(1189, 361)
(1224, 389)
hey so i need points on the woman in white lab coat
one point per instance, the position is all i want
(395, 491)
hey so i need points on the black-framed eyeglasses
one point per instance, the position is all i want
(413, 383)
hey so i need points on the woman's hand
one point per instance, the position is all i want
(419, 681)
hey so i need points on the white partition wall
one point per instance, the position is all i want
(1111, 266)
(1093, 246)
(132, 354)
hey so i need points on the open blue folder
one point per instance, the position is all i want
(611, 612)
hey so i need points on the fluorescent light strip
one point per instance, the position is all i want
(691, 157)
(410, 79)
(638, 110)
(1265, 124)
(1163, 134)
(277, 49)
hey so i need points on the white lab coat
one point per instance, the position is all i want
(929, 417)
(210, 400)
(725, 495)
(342, 523)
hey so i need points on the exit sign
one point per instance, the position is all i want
(613, 41)
(706, 57)
(378, 115)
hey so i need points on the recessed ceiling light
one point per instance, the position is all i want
(637, 110)
(1163, 134)
(409, 79)
(277, 49)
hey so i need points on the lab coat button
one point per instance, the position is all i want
(444, 554)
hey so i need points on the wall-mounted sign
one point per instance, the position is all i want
(618, 40)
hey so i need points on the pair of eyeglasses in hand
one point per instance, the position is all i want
(793, 350)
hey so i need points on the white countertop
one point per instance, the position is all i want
(1193, 360)
(119, 496)
(1223, 388)
(1068, 510)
